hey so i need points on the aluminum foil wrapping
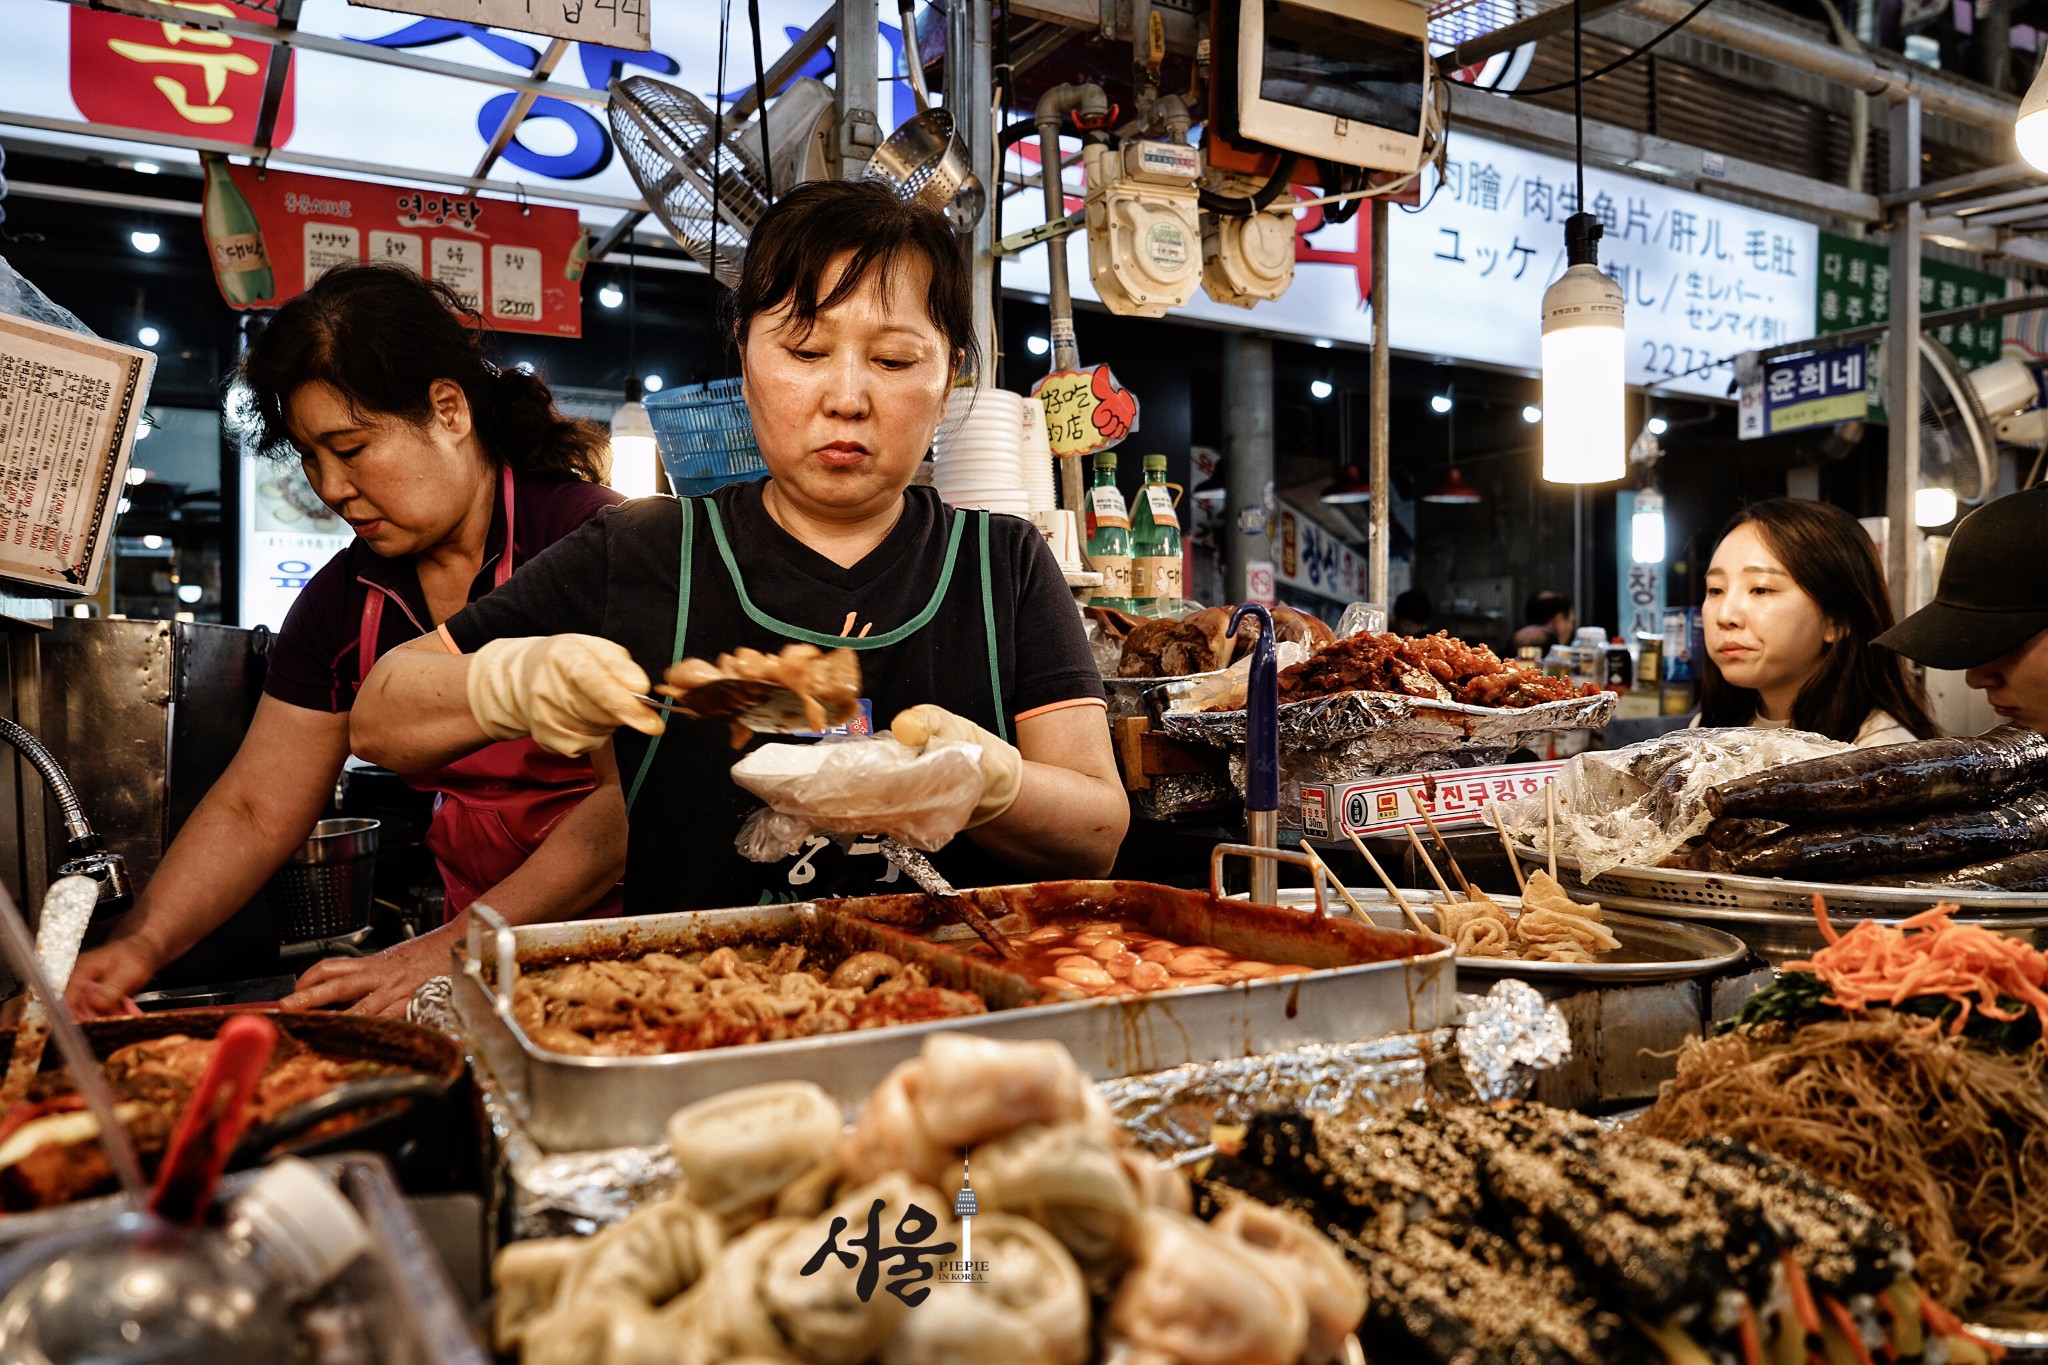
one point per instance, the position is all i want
(1508, 1035)
(550, 1194)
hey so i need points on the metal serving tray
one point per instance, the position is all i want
(575, 1103)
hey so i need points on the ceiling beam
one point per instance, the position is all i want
(522, 104)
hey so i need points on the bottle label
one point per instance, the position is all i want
(1156, 576)
(239, 251)
(1116, 575)
(1160, 499)
(1106, 505)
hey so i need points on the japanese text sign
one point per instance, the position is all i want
(272, 235)
(1086, 410)
(1455, 799)
(1314, 560)
(614, 23)
(69, 408)
(1808, 391)
(167, 78)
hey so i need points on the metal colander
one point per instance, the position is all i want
(923, 162)
(324, 888)
(666, 135)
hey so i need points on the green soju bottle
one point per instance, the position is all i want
(235, 237)
(1109, 537)
(1155, 543)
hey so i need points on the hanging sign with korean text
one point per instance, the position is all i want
(271, 235)
(1312, 559)
(607, 23)
(167, 78)
(1816, 390)
(1855, 286)
(1086, 410)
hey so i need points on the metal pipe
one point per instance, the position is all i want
(1381, 398)
(1247, 458)
(1053, 107)
(1902, 365)
(970, 80)
(77, 829)
(856, 133)
(1886, 75)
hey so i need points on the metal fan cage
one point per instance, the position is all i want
(666, 136)
(1957, 447)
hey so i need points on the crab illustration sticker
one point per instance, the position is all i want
(1086, 410)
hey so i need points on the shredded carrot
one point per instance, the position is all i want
(1941, 1322)
(1752, 1343)
(1802, 1294)
(1846, 1325)
(1928, 954)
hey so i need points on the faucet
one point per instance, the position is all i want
(89, 856)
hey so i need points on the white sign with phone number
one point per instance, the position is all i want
(1455, 799)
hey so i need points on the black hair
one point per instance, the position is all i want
(1543, 604)
(381, 335)
(814, 224)
(1832, 559)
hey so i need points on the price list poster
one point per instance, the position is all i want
(271, 234)
(69, 408)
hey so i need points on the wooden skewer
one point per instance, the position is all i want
(1392, 890)
(1508, 847)
(1342, 890)
(1550, 826)
(1434, 875)
(1437, 834)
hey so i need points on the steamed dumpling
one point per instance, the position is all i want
(958, 1326)
(740, 1149)
(1158, 1184)
(822, 1313)
(525, 1276)
(1332, 1291)
(1068, 1181)
(723, 1315)
(656, 1253)
(889, 1136)
(603, 1327)
(1199, 1298)
(1037, 1280)
(992, 1088)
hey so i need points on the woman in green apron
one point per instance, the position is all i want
(852, 321)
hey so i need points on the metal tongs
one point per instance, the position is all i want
(765, 708)
(933, 883)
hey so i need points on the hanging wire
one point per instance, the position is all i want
(718, 173)
(761, 102)
(1579, 96)
(1617, 64)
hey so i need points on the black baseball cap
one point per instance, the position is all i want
(1993, 594)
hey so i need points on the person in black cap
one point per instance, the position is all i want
(1990, 610)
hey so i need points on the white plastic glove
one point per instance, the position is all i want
(1002, 767)
(567, 692)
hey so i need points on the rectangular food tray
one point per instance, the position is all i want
(577, 1103)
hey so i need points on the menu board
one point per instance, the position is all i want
(271, 234)
(69, 408)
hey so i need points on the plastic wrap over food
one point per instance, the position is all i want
(920, 797)
(1640, 804)
(1508, 1035)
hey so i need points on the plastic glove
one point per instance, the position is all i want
(567, 692)
(1002, 767)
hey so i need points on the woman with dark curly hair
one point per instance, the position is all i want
(453, 472)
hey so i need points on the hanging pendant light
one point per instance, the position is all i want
(1350, 486)
(635, 455)
(1585, 368)
(2031, 131)
(1454, 491)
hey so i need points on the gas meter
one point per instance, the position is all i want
(1144, 230)
(1246, 258)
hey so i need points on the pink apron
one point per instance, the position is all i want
(495, 807)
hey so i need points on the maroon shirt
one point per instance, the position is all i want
(316, 660)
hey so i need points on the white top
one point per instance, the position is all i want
(1878, 729)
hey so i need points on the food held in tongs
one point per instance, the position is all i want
(800, 689)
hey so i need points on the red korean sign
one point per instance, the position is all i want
(166, 78)
(1455, 799)
(272, 234)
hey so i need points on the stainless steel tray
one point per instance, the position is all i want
(1652, 949)
(575, 1103)
(1775, 918)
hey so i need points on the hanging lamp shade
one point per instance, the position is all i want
(636, 459)
(1349, 486)
(1585, 378)
(2031, 131)
(1454, 491)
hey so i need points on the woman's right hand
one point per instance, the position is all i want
(106, 978)
(566, 692)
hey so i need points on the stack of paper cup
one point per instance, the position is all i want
(978, 448)
(1036, 455)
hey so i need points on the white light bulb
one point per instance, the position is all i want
(2031, 131)
(147, 168)
(1321, 388)
(136, 473)
(1934, 506)
(1532, 414)
(1439, 403)
(1658, 426)
(145, 242)
(148, 336)
(190, 592)
(152, 542)
(1646, 529)
(635, 455)
(1037, 345)
(651, 384)
(1324, 344)
(1585, 379)
(122, 510)
(610, 295)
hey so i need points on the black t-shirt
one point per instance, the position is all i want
(993, 657)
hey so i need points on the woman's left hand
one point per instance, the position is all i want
(380, 984)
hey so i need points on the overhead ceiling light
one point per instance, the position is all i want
(122, 510)
(524, 367)
(2032, 128)
(1646, 528)
(145, 242)
(1324, 343)
(189, 593)
(1439, 403)
(1350, 486)
(1037, 345)
(1934, 506)
(152, 542)
(651, 384)
(635, 455)
(1321, 388)
(1658, 426)
(147, 168)
(1585, 374)
(610, 295)
(1531, 414)
(136, 473)
(148, 336)
(1454, 491)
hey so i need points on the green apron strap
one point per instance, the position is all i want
(988, 621)
(688, 507)
(819, 638)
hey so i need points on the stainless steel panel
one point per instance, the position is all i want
(576, 1103)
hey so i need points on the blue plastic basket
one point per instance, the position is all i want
(706, 437)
